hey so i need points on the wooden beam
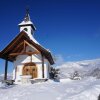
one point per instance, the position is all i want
(18, 46)
(6, 68)
(42, 65)
(30, 45)
(12, 43)
(19, 50)
(24, 46)
(24, 53)
(12, 58)
(31, 58)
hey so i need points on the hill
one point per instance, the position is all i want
(84, 68)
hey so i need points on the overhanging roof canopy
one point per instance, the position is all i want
(16, 45)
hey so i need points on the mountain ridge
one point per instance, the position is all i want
(85, 68)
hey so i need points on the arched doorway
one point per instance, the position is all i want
(30, 69)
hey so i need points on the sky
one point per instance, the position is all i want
(70, 29)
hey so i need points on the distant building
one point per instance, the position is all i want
(29, 57)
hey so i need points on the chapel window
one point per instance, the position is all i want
(25, 29)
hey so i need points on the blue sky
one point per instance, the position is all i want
(69, 28)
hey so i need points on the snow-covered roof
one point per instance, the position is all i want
(18, 41)
(34, 40)
(31, 37)
(24, 35)
(25, 23)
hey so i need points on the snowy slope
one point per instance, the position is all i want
(88, 88)
(85, 68)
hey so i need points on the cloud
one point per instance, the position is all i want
(59, 59)
(73, 56)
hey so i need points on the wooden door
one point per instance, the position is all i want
(30, 70)
(33, 71)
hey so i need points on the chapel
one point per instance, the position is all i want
(29, 58)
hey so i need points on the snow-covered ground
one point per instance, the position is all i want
(88, 88)
(9, 76)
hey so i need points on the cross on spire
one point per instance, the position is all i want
(27, 24)
(27, 16)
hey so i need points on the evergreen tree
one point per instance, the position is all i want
(55, 74)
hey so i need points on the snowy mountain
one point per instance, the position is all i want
(85, 68)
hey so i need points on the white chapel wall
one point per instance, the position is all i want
(37, 59)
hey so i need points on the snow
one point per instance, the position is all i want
(9, 76)
(25, 23)
(85, 68)
(88, 88)
(32, 38)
